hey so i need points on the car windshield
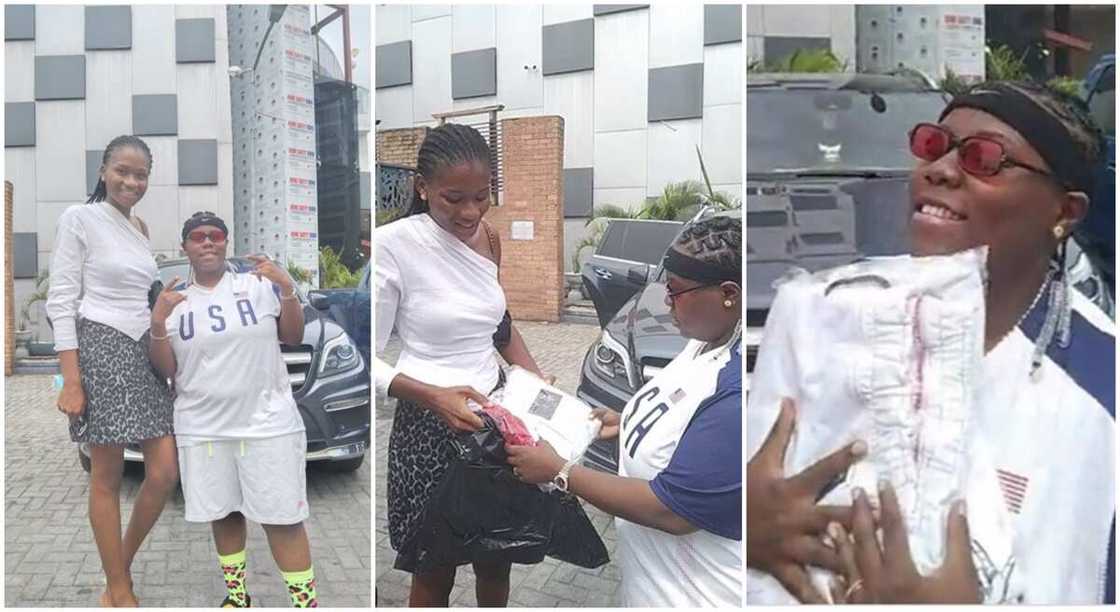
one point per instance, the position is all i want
(814, 130)
(643, 241)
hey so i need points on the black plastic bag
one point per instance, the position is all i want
(481, 512)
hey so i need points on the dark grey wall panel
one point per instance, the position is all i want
(394, 64)
(579, 184)
(364, 180)
(194, 41)
(155, 115)
(607, 9)
(676, 92)
(19, 22)
(723, 23)
(778, 48)
(474, 73)
(198, 162)
(60, 77)
(25, 254)
(108, 27)
(93, 168)
(19, 124)
(568, 47)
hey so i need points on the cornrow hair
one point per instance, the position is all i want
(124, 140)
(716, 240)
(445, 146)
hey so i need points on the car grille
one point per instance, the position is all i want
(298, 361)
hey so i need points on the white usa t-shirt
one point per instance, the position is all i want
(683, 432)
(231, 381)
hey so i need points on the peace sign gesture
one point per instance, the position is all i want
(264, 267)
(785, 526)
(168, 299)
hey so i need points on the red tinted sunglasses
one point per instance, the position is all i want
(216, 236)
(977, 155)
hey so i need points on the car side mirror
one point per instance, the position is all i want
(638, 274)
(319, 301)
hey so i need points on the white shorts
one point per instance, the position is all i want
(263, 479)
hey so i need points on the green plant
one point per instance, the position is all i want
(953, 84)
(1002, 64)
(1067, 85)
(298, 274)
(42, 288)
(801, 60)
(386, 216)
(333, 274)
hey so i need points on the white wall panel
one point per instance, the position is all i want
(631, 198)
(754, 19)
(620, 159)
(200, 105)
(519, 45)
(722, 143)
(165, 160)
(571, 96)
(671, 154)
(153, 49)
(108, 103)
(420, 12)
(19, 71)
(160, 211)
(756, 48)
(473, 27)
(193, 199)
(197, 11)
(561, 13)
(60, 29)
(19, 168)
(60, 127)
(676, 34)
(394, 23)
(621, 70)
(842, 23)
(393, 107)
(46, 222)
(795, 20)
(222, 93)
(225, 186)
(431, 67)
(723, 74)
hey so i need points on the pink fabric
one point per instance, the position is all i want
(513, 429)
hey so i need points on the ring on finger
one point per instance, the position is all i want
(857, 585)
(517, 473)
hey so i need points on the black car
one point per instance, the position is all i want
(639, 336)
(330, 383)
(828, 170)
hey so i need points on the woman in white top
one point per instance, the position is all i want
(101, 270)
(678, 494)
(437, 288)
(240, 436)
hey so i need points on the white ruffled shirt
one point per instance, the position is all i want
(101, 269)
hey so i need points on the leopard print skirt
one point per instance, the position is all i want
(126, 400)
(419, 454)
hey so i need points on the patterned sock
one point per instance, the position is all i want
(301, 586)
(233, 567)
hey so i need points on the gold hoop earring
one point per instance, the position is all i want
(1059, 232)
(728, 303)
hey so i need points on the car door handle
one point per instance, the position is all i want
(602, 273)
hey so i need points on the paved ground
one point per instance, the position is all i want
(50, 558)
(559, 349)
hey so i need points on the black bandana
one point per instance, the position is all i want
(700, 271)
(1035, 124)
(203, 218)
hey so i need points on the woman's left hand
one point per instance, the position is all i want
(264, 267)
(534, 464)
(886, 574)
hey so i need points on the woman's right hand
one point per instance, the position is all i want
(168, 299)
(450, 404)
(785, 526)
(610, 420)
(72, 399)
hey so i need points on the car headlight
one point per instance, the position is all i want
(339, 355)
(610, 358)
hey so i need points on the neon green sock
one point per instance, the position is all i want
(233, 568)
(301, 586)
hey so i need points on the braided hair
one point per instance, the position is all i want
(125, 140)
(717, 240)
(445, 146)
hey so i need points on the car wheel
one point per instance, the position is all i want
(82, 459)
(343, 466)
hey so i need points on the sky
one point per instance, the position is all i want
(360, 22)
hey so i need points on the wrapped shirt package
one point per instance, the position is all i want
(548, 413)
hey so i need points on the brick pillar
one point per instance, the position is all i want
(532, 270)
(400, 146)
(9, 285)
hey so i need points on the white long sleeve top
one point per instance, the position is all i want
(444, 301)
(101, 270)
